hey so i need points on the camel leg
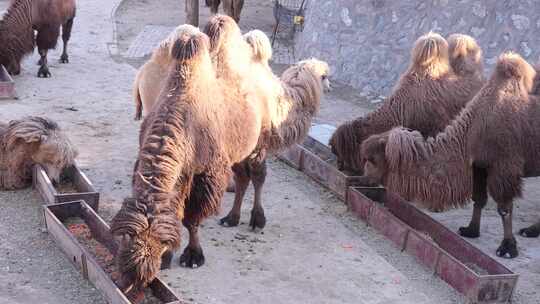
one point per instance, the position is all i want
(231, 186)
(258, 172)
(166, 259)
(480, 199)
(214, 6)
(237, 9)
(508, 247)
(204, 199)
(46, 39)
(531, 231)
(241, 181)
(66, 34)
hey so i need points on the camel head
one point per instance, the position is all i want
(373, 151)
(345, 145)
(429, 56)
(44, 143)
(317, 68)
(260, 46)
(142, 240)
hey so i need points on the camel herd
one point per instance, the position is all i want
(212, 109)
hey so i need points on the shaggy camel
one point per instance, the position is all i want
(30, 141)
(490, 147)
(184, 164)
(17, 31)
(427, 97)
(232, 8)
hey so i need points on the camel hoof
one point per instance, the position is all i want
(231, 220)
(166, 260)
(40, 62)
(508, 249)
(44, 73)
(192, 257)
(469, 232)
(64, 58)
(530, 232)
(257, 220)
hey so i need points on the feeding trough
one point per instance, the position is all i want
(7, 85)
(73, 185)
(86, 240)
(463, 266)
(316, 160)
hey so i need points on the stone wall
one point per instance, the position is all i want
(368, 42)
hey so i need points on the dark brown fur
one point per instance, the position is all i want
(489, 148)
(17, 31)
(428, 96)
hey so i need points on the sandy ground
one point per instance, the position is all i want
(312, 250)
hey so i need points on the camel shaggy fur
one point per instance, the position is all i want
(489, 148)
(200, 128)
(232, 8)
(17, 31)
(29, 141)
(427, 97)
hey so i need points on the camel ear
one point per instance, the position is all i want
(187, 47)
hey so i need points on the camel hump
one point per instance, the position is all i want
(512, 65)
(260, 45)
(429, 49)
(461, 45)
(189, 42)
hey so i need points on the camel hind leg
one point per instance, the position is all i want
(241, 182)
(531, 231)
(480, 199)
(205, 197)
(258, 176)
(66, 34)
(46, 39)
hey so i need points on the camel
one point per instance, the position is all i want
(232, 8)
(427, 97)
(489, 148)
(200, 127)
(29, 141)
(17, 31)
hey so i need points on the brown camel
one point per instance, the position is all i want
(232, 8)
(490, 147)
(17, 31)
(29, 141)
(427, 97)
(198, 130)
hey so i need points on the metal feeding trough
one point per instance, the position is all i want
(7, 85)
(466, 268)
(74, 185)
(316, 160)
(56, 217)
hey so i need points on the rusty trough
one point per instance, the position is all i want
(466, 268)
(7, 85)
(56, 216)
(82, 187)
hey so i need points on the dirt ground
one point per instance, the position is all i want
(312, 250)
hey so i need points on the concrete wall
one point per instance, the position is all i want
(367, 42)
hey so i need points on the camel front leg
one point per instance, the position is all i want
(44, 69)
(480, 199)
(193, 255)
(241, 181)
(258, 172)
(66, 34)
